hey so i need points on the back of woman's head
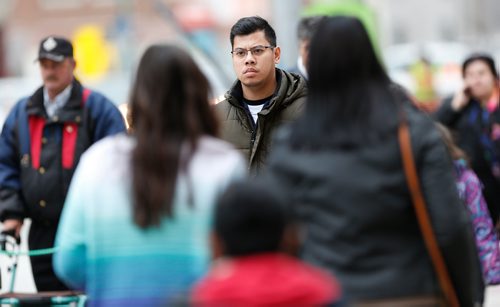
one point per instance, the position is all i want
(170, 95)
(341, 53)
(169, 109)
(348, 87)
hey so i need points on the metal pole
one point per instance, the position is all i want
(286, 14)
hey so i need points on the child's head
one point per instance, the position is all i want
(249, 218)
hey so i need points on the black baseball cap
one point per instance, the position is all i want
(55, 48)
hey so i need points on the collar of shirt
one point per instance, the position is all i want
(53, 106)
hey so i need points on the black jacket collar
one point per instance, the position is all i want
(36, 107)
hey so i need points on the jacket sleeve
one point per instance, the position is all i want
(11, 202)
(448, 215)
(106, 117)
(446, 115)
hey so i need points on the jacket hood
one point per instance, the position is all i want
(291, 86)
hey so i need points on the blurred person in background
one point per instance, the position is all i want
(423, 75)
(470, 191)
(135, 227)
(250, 230)
(340, 166)
(305, 30)
(40, 146)
(473, 114)
(263, 98)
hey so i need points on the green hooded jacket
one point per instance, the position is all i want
(237, 126)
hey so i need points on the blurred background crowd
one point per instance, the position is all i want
(422, 42)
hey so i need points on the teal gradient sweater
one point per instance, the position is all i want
(101, 250)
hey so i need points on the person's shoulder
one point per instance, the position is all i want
(226, 107)
(293, 80)
(21, 103)
(293, 88)
(106, 162)
(111, 146)
(16, 110)
(96, 98)
(321, 285)
(422, 126)
(215, 146)
(470, 178)
(215, 149)
(102, 107)
(230, 97)
(222, 104)
(215, 159)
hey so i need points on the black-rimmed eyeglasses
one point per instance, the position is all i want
(256, 51)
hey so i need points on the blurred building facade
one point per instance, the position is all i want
(121, 23)
(441, 32)
(130, 25)
(473, 22)
(126, 25)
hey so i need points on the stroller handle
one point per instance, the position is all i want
(9, 233)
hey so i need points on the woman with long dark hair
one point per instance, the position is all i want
(135, 224)
(340, 165)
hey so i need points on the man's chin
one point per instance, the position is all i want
(250, 82)
(51, 86)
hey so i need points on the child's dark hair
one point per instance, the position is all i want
(250, 218)
(448, 139)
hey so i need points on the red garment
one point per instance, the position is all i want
(265, 280)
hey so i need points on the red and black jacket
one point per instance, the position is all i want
(38, 154)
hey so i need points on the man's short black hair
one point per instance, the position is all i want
(249, 25)
(250, 218)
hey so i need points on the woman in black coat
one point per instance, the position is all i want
(340, 165)
(473, 114)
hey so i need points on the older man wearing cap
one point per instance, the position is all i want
(40, 145)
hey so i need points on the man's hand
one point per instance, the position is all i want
(13, 224)
(460, 99)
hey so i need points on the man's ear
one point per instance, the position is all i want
(277, 55)
(216, 245)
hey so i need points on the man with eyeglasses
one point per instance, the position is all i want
(263, 97)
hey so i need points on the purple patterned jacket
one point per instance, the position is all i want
(469, 188)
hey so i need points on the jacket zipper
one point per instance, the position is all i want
(252, 138)
(254, 128)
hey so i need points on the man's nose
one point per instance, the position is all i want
(249, 58)
(49, 67)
